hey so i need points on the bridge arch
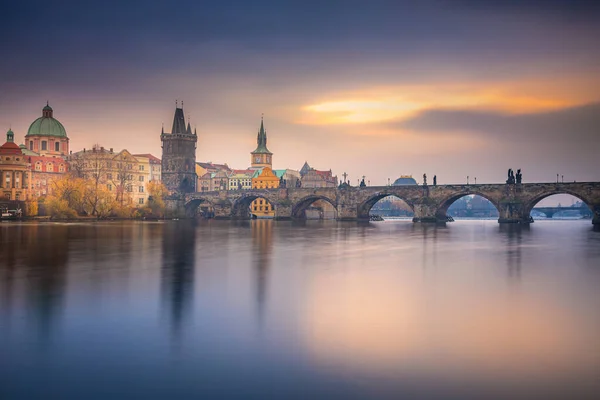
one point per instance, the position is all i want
(441, 212)
(531, 203)
(365, 206)
(241, 206)
(191, 207)
(299, 208)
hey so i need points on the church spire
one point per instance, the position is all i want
(178, 121)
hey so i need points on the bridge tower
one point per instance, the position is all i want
(261, 157)
(179, 155)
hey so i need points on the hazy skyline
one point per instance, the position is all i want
(382, 88)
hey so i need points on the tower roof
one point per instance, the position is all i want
(261, 140)
(178, 121)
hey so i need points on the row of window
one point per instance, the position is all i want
(128, 188)
(49, 167)
(45, 145)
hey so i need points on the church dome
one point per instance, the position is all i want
(404, 180)
(47, 125)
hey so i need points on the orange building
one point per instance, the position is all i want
(263, 179)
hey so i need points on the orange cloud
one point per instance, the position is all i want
(382, 104)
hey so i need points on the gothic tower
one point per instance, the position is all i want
(261, 157)
(179, 155)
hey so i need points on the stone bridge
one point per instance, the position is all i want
(429, 203)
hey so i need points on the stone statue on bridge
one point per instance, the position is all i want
(298, 183)
(511, 177)
(519, 177)
(282, 182)
(435, 180)
(424, 179)
(362, 183)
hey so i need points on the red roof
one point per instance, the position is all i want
(152, 158)
(10, 148)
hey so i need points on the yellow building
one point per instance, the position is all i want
(122, 173)
(263, 179)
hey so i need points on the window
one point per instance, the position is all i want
(129, 188)
(31, 145)
(7, 195)
(38, 166)
(44, 145)
(141, 200)
(49, 167)
(108, 164)
(61, 168)
(109, 187)
(56, 146)
(141, 167)
(141, 189)
(17, 196)
(109, 176)
(141, 178)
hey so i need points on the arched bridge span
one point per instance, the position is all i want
(430, 203)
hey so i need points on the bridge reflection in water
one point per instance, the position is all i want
(514, 202)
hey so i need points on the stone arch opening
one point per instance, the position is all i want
(253, 206)
(565, 204)
(364, 209)
(467, 205)
(391, 206)
(315, 207)
(199, 208)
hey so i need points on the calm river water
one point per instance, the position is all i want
(319, 310)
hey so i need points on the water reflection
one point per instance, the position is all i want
(34, 268)
(397, 307)
(262, 243)
(177, 273)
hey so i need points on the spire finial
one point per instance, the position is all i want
(47, 103)
(176, 103)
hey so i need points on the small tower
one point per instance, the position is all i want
(261, 157)
(178, 171)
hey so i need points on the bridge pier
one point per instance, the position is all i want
(348, 212)
(175, 207)
(512, 212)
(222, 209)
(596, 216)
(283, 212)
(426, 211)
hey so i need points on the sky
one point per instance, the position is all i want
(375, 88)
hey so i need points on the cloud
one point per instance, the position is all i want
(573, 124)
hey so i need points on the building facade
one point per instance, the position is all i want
(149, 164)
(46, 147)
(121, 173)
(264, 179)
(15, 173)
(178, 171)
(241, 179)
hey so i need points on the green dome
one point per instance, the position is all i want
(47, 126)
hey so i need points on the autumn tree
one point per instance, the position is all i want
(156, 193)
(67, 197)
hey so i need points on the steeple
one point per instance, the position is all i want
(10, 136)
(261, 139)
(189, 129)
(178, 121)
